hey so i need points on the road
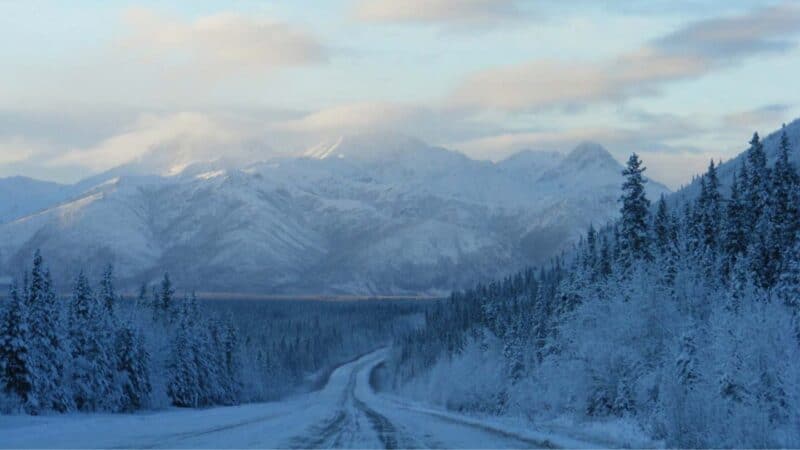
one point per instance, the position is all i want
(346, 413)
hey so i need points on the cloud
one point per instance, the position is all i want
(448, 12)
(689, 52)
(431, 124)
(221, 43)
(161, 141)
(14, 149)
(726, 38)
(767, 115)
(549, 83)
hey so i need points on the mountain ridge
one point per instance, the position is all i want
(417, 219)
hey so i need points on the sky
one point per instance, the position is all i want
(87, 85)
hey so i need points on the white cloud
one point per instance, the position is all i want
(454, 12)
(221, 43)
(14, 149)
(433, 125)
(689, 52)
(352, 118)
(546, 84)
(161, 140)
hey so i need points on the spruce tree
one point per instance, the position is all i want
(230, 345)
(93, 359)
(141, 299)
(133, 364)
(665, 240)
(709, 208)
(785, 218)
(15, 354)
(60, 399)
(634, 242)
(662, 224)
(166, 296)
(184, 378)
(590, 253)
(735, 228)
(108, 296)
(47, 340)
(604, 263)
(756, 189)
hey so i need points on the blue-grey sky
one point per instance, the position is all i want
(87, 85)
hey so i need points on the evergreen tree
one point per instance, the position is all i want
(141, 299)
(47, 340)
(604, 267)
(665, 243)
(590, 253)
(230, 346)
(662, 227)
(133, 364)
(60, 399)
(634, 242)
(166, 296)
(108, 296)
(15, 354)
(93, 360)
(183, 372)
(709, 208)
(763, 253)
(756, 190)
(735, 227)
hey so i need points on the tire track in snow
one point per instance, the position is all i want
(345, 428)
(177, 437)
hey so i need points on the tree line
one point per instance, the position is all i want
(95, 351)
(683, 317)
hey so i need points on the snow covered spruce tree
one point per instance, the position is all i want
(133, 365)
(15, 355)
(634, 241)
(94, 367)
(48, 341)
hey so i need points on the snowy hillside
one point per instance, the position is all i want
(727, 168)
(361, 214)
(20, 196)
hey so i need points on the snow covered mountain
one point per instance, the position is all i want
(20, 196)
(370, 214)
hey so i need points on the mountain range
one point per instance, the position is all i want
(366, 214)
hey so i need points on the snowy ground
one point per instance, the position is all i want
(347, 413)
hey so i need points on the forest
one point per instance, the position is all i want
(679, 319)
(99, 351)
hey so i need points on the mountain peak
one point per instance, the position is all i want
(589, 150)
(366, 146)
(590, 154)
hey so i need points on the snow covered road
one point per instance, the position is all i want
(347, 413)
